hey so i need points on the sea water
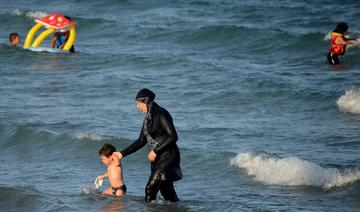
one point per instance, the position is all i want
(264, 122)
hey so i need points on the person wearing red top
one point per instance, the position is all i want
(338, 43)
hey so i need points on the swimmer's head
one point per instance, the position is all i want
(341, 27)
(14, 39)
(145, 96)
(107, 150)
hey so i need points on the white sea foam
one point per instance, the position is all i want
(87, 190)
(35, 14)
(91, 136)
(29, 14)
(350, 101)
(327, 36)
(292, 171)
(355, 43)
(16, 12)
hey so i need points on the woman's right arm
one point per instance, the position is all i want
(138, 144)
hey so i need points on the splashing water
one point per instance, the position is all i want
(91, 136)
(16, 12)
(355, 43)
(88, 190)
(29, 14)
(327, 36)
(292, 171)
(350, 101)
(35, 14)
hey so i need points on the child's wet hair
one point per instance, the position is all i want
(107, 150)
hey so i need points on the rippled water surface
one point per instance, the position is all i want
(264, 123)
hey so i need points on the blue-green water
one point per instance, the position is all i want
(264, 123)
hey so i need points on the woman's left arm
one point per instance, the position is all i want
(166, 123)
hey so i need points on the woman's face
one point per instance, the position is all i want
(141, 106)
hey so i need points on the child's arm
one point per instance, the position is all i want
(53, 41)
(116, 160)
(105, 175)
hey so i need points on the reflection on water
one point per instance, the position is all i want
(115, 204)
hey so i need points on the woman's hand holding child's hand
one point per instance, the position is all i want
(152, 155)
(117, 154)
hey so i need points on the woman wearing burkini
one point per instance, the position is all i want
(159, 133)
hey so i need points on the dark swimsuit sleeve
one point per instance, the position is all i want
(166, 123)
(138, 144)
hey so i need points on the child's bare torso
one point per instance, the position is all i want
(115, 175)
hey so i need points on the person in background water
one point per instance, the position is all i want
(59, 39)
(159, 133)
(338, 43)
(14, 39)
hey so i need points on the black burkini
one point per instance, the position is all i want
(165, 169)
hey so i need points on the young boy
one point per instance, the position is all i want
(338, 43)
(114, 173)
(14, 39)
(60, 38)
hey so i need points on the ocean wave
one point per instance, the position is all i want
(92, 136)
(292, 171)
(235, 39)
(85, 22)
(29, 14)
(16, 12)
(350, 101)
(216, 32)
(234, 35)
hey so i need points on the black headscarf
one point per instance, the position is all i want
(147, 96)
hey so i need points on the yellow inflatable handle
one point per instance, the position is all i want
(71, 39)
(31, 34)
(42, 36)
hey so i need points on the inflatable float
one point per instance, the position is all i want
(52, 23)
